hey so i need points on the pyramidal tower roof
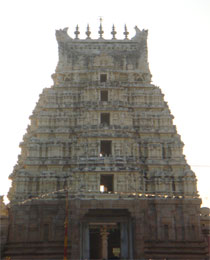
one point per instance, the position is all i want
(102, 128)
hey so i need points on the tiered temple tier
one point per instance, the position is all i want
(63, 143)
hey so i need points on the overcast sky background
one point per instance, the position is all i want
(179, 58)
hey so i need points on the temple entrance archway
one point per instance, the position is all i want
(105, 241)
(107, 234)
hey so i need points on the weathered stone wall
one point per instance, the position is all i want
(39, 226)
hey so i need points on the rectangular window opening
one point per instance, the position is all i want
(103, 78)
(106, 148)
(104, 95)
(106, 183)
(105, 118)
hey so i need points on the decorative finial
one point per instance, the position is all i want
(126, 32)
(100, 29)
(113, 32)
(88, 32)
(77, 32)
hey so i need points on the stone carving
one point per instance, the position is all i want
(62, 35)
(140, 35)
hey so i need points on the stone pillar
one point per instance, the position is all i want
(130, 234)
(104, 237)
(85, 241)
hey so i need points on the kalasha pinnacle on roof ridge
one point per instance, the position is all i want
(77, 32)
(126, 33)
(88, 32)
(100, 30)
(113, 32)
(63, 36)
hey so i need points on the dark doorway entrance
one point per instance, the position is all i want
(95, 243)
(114, 243)
(106, 233)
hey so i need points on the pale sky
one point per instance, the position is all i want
(179, 58)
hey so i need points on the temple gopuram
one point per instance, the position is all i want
(102, 174)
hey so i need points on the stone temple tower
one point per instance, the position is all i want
(103, 133)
